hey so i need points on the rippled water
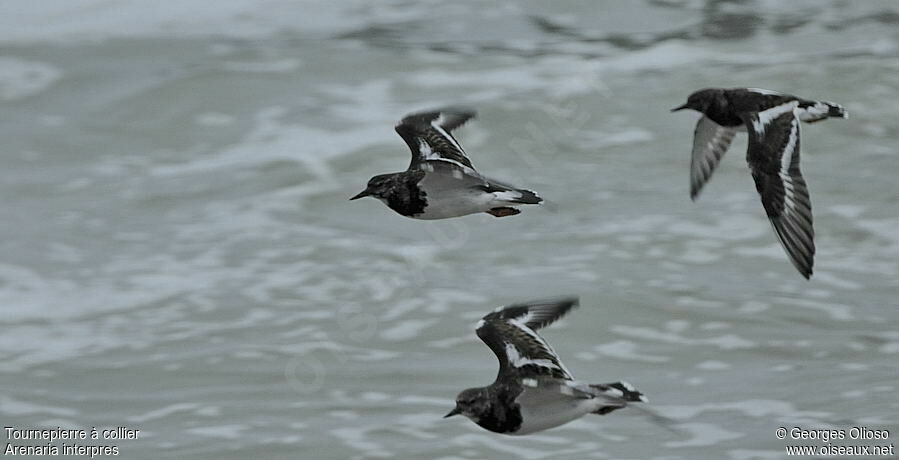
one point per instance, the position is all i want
(178, 254)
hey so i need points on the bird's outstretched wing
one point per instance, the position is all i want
(429, 136)
(511, 333)
(773, 157)
(710, 142)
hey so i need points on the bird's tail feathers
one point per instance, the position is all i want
(515, 196)
(528, 197)
(619, 394)
(835, 110)
(621, 390)
(820, 110)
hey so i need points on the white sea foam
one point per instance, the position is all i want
(407, 329)
(703, 434)
(836, 311)
(517, 447)
(618, 138)
(712, 365)
(358, 438)
(78, 20)
(732, 228)
(214, 119)
(751, 454)
(271, 66)
(780, 410)
(271, 140)
(231, 431)
(164, 412)
(627, 350)
(724, 342)
(21, 78)
(14, 407)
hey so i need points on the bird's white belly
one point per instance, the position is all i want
(457, 203)
(544, 408)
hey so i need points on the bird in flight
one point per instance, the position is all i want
(772, 121)
(533, 390)
(441, 182)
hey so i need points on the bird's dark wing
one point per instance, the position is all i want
(511, 333)
(710, 142)
(452, 177)
(429, 136)
(753, 100)
(773, 157)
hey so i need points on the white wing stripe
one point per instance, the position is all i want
(627, 386)
(464, 168)
(517, 361)
(542, 343)
(446, 135)
(786, 161)
(526, 318)
(764, 118)
(766, 92)
(520, 325)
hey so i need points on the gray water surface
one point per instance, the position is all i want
(178, 254)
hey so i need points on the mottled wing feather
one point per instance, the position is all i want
(537, 314)
(753, 100)
(522, 353)
(429, 136)
(710, 142)
(773, 157)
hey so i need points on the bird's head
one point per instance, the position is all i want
(700, 100)
(470, 403)
(378, 187)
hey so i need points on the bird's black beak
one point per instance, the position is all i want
(361, 194)
(682, 107)
(456, 411)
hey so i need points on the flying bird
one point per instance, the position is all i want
(533, 390)
(772, 121)
(441, 182)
